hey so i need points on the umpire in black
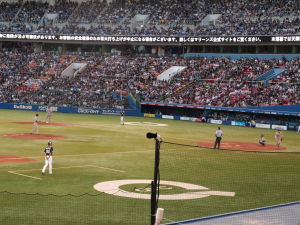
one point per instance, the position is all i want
(219, 134)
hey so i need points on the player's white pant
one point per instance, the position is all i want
(35, 128)
(48, 161)
(48, 119)
(122, 120)
(298, 129)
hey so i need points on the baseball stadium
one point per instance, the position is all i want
(149, 112)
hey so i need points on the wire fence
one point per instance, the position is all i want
(198, 182)
(70, 209)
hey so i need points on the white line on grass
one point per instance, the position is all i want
(106, 168)
(70, 167)
(89, 154)
(65, 167)
(20, 174)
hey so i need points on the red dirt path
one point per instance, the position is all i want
(44, 123)
(35, 136)
(14, 159)
(244, 146)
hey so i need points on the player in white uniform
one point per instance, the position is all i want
(48, 158)
(298, 131)
(35, 128)
(262, 140)
(278, 137)
(122, 118)
(48, 115)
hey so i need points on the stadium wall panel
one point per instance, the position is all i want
(76, 110)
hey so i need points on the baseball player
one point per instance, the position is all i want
(262, 140)
(35, 128)
(298, 131)
(48, 158)
(48, 115)
(278, 137)
(122, 118)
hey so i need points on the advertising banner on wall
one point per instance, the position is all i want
(62, 109)
(216, 121)
(235, 123)
(279, 127)
(262, 125)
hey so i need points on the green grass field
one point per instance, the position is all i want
(98, 149)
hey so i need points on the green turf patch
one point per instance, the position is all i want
(258, 179)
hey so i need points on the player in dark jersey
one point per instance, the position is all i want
(48, 158)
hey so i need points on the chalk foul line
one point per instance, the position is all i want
(17, 172)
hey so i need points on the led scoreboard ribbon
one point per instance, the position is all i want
(151, 39)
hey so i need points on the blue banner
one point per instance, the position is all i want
(62, 109)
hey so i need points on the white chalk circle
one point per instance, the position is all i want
(113, 188)
(146, 124)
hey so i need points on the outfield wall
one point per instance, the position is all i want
(222, 122)
(269, 117)
(137, 112)
(76, 110)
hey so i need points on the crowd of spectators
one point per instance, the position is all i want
(87, 12)
(63, 8)
(168, 17)
(36, 78)
(8, 11)
(31, 12)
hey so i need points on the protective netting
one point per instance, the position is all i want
(227, 181)
(70, 209)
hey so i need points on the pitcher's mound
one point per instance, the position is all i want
(35, 136)
(244, 146)
(44, 123)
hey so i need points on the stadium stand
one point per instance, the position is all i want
(180, 17)
(35, 78)
(31, 76)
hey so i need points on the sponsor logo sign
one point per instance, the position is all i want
(279, 127)
(149, 115)
(44, 108)
(88, 111)
(262, 125)
(28, 107)
(110, 112)
(241, 124)
(168, 117)
(216, 121)
(187, 118)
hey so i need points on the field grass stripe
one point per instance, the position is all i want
(20, 174)
(104, 153)
(106, 168)
(70, 167)
(89, 154)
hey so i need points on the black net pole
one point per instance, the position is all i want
(155, 183)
